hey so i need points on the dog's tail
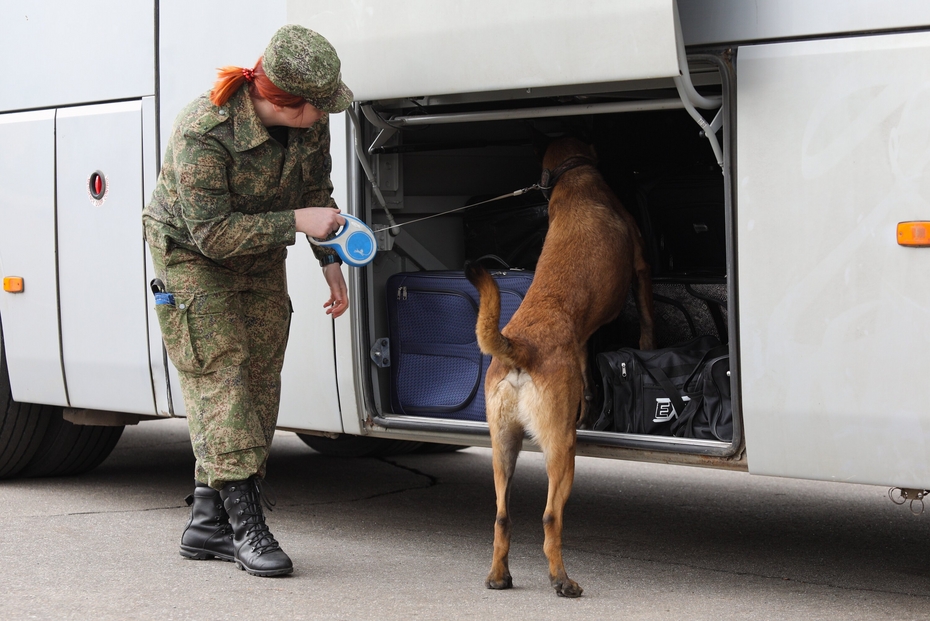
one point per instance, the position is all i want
(490, 339)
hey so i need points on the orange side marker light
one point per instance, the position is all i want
(13, 284)
(915, 234)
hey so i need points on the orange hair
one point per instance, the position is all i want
(230, 78)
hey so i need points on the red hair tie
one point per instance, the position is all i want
(248, 74)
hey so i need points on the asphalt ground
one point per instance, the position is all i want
(410, 537)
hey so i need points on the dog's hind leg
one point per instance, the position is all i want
(506, 442)
(556, 438)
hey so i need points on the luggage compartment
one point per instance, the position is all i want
(430, 174)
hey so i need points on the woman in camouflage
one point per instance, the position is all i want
(247, 168)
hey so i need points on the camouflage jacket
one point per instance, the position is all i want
(227, 189)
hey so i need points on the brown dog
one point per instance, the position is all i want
(536, 382)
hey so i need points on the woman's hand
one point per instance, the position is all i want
(318, 222)
(338, 301)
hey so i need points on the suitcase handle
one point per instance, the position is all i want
(492, 257)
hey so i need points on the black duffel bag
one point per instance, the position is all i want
(679, 391)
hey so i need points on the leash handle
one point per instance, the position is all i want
(354, 243)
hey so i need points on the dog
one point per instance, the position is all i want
(591, 256)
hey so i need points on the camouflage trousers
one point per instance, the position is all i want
(226, 333)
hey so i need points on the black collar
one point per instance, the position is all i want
(551, 177)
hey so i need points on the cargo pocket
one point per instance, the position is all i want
(202, 332)
(217, 330)
(175, 332)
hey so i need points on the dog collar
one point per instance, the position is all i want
(550, 177)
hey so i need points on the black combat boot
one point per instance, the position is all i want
(208, 534)
(256, 550)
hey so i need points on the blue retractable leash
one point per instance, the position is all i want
(354, 243)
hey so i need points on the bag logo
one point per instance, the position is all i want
(665, 411)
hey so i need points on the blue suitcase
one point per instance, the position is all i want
(437, 369)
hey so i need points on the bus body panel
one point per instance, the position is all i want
(197, 38)
(310, 395)
(102, 286)
(834, 142)
(716, 22)
(150, 166)
(27, 198)
(486, 45)
(66, 53)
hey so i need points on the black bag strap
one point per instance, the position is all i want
(603, 421)
(710, 354)
(683, 426)
(666, 384)
(715, 420)
(670, 391)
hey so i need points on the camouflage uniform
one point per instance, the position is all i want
(217, 226)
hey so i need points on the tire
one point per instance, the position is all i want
(36, 441)
(22, 425)
(69, 449)
(358, 446)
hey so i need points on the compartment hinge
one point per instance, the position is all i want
(381, 353)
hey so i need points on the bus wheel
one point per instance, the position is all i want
(22, 425)
(69, 449)
(36, 441)
(346, 445)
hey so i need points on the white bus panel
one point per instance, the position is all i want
(710, 22)
(101, 262)
(65, 53)
(27, 250)
(834, 147)
(410, 48)
(309, 395)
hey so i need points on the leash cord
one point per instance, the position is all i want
(535, 186)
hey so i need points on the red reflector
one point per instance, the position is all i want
(98, 185)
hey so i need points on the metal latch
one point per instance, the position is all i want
(899, 496)
(381, 353)
(384, 237)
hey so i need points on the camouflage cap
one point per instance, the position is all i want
(302, 62)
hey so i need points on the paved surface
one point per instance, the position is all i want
(410, 538)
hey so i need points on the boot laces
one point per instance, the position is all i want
(258, 534)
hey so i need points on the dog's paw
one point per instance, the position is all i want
(504, 582)
(567, 588)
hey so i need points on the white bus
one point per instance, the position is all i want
(770, 150)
